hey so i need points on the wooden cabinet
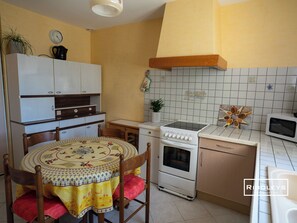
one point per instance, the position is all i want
(152, 137)
(67, 77)
(222, 167)
(90, 78)
(130, 128)
(30, 75)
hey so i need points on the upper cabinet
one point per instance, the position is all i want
(67, 77)
(90, 78)
(33, 75)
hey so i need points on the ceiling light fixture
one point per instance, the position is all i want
(107, 8)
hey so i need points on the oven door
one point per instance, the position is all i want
(178, 159)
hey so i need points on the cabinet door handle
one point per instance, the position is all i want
(63, 132)
(50, 92)
(53, 108)
(88, 127)
(84, 91)
(58, 92)
(224, 147)
(201, 159)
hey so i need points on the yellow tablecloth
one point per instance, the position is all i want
(82, 172)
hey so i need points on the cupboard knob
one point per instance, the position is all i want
(58, 92)
(50, 92)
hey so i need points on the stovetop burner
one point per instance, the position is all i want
(186, 125)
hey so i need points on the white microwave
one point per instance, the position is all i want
(282, 126)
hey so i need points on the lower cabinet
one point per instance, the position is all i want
(152, 137)
(86, 130)
(70, 128)
(222, 168)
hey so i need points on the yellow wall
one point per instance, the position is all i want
(260, 33)
(124, 52)
(190, 27)
(36, 27)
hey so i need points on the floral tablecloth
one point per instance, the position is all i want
(82, 172)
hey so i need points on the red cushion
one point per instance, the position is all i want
(133, 186)
(25, 207)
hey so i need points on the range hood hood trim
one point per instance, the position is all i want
(166, 63)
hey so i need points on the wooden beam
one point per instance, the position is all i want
(213, 61)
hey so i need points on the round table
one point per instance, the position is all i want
(82, 172)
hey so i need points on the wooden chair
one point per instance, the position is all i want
(127, 184)
(110, 132)
(37, 138)
(32, 204)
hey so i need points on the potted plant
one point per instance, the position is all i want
(15, 43)
(156, 106)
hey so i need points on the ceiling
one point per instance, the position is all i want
(78, 12)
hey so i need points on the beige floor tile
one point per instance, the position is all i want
(165, 212)
(192, 209)
(232, 218)
(216, 210)
(202, 220)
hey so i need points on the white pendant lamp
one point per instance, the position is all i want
(107, 8)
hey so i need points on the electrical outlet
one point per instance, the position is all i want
(252, 79)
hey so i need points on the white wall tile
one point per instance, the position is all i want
(229, 87)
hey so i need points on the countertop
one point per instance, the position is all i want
(127, 123)
(270, 152)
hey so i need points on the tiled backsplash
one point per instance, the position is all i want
(195, 94)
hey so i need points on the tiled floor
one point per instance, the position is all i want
(164, 208)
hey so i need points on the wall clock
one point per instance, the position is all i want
(56, 36)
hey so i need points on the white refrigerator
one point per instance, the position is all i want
(3, 130)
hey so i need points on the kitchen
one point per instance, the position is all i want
(257, 41)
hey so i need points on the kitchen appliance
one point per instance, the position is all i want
(178, 158)
(282, 126)
(59, 52)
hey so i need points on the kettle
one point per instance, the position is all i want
(59, 52)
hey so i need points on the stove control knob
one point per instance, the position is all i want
(186, 138)
(170, 135)
(174, 136)
(190, 138)
(166, 134)
(178, 136)
(182, 137)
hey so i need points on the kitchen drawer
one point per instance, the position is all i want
(149, 132)
(72, 122)
(226, 147)
(95, 118)
(41, 127)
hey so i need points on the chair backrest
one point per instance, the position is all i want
(23, 178)
(31, 140)
(111, 132)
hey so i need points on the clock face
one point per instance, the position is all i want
(56, 36)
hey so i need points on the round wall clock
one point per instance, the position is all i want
(55, 36)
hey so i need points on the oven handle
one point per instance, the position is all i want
(180, 145)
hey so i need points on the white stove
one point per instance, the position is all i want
(178, 158)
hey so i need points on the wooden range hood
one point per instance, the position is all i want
(166, 63)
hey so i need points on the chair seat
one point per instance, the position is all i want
(26, 208)
(133, 186)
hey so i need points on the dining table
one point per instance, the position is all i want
(83, 172)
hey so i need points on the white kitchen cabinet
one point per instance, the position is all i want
(152, 137)
(67, 77)
(90, 78)
(32, 109)
(73, 132)
(30, 75)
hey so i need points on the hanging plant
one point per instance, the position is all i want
(14, 42)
